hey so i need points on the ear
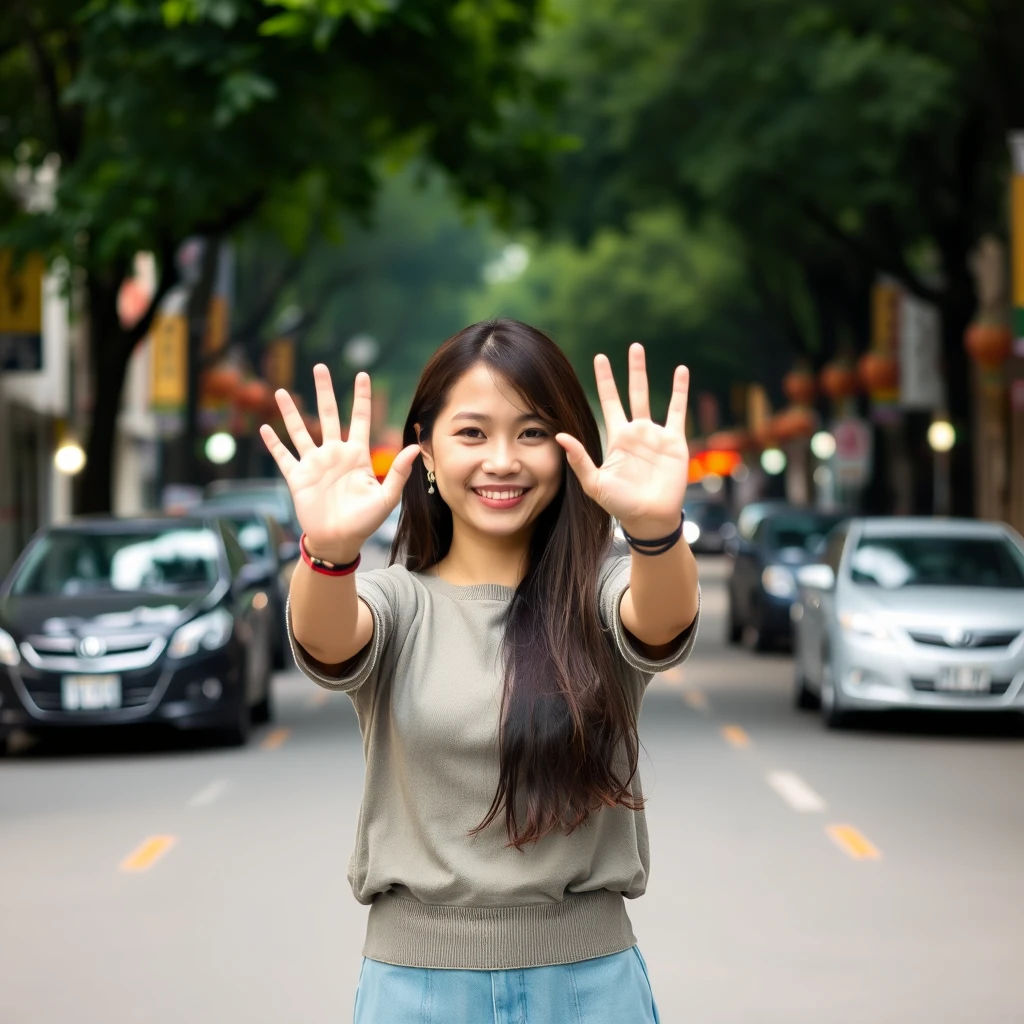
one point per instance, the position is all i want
(425, 448)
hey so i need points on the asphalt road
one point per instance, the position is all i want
(798, 875)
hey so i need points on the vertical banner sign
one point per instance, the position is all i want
(169, 381)
(920, 354)
(1017, 238)
(21, 312)
(279, 363)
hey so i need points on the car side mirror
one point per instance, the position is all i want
(288, 550)
(816, 577)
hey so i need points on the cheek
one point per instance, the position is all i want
(549, 466)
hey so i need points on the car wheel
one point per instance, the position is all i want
(833, 714)
(734, 627)
(804, 698)
(237, 734)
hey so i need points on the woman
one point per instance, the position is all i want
(497, 668)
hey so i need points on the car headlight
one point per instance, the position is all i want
(211, 631)
(863, 625)
(691, 531)
(778, 581)
(9, 654)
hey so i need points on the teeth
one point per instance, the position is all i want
(499, 495)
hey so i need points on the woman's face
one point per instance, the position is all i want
(497, 464)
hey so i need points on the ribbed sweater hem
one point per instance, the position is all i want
(412, 934)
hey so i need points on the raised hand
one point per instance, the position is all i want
(642, 481)
(338, 500)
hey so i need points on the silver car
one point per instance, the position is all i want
(912, 613)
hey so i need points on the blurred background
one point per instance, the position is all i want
(817, 206)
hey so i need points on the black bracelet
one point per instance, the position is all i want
(659, 546)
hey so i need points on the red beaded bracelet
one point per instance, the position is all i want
(326, 568)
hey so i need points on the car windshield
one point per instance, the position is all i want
(800, 530)
(939, 561)
(252, 534)
(271, 502)
(709, 515)
(67, 562)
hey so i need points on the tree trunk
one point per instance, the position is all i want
(109, 352)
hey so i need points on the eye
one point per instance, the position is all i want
(466, 430)
(537, 432)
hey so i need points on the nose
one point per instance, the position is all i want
(501, 459)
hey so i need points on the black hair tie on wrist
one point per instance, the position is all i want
(659, 546)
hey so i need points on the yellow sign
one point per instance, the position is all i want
(216, 336)
(279, 363)
(21, 294)
(169, 376)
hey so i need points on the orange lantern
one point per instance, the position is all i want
(729, 440)
(798, 387)
(839, 380)
(878, 371)
(252, 396)
(989, 345)
(795, 422)
(222, 381)
(381, 458)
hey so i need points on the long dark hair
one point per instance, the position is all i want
(565, 721)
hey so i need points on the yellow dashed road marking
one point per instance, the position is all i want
(696, 699)
(146, 855)
(319, 699)
(275, 738)
(852, 843)
(673, 675)
(735, 735)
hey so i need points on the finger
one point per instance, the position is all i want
(675, 421)
(359, 427)
(293, 422)
(580, 463)
(398, 475)
(608, 393)
(326, 404)
(639, 396)
(285, 460)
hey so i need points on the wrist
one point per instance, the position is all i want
(341, 553)
(651, 529)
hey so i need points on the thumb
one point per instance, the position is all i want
(398, 474)
(580, 462)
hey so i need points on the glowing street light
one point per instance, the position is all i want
(773, 461)
(220, 448)
(941, 436)
(823, 445)
(69, 458)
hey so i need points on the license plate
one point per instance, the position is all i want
(964, 679)
(90, 693)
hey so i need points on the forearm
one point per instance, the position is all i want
(324, 612)
(661, 601)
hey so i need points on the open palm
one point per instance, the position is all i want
(338, 500)
(642, 481)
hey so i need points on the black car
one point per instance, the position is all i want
(107, 621)
(709, 526)
(762, 587)
(270, 547)
(270, 496)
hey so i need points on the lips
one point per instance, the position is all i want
(500, 494)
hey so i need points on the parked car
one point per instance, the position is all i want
(709, 526)
(268, 546)
(752, 514)
(762, 586)
(108, 621)
(271, 496)
(912, 613)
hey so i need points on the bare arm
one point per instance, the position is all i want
(661, 601)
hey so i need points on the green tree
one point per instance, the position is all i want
(188, 117)
(840, 140)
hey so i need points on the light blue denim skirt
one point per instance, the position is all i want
(606, 990)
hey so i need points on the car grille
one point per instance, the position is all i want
(122, 653)
(998, 687)
(979, 639)
(45, 693)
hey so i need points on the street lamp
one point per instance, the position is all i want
(69, 458)
(220, 448)
(773, 461)
(941, 438)
(823, 445)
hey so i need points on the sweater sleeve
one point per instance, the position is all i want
(613, 583)
(377, 588)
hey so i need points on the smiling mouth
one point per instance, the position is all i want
(504, 494)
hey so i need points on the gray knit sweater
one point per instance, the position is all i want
(427, 692)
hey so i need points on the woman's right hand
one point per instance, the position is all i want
(338, 500)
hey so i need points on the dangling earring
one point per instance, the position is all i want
(430, 480)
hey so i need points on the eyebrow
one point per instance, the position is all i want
(483, 418)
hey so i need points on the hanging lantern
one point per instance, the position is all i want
(878, 371)
(839, 380)
(252, 396)
(221, 381)
(794, 422)
(798, 387)
(989, 345)
(729, 440)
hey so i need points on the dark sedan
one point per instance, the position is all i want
(762, 587)
(108, 621)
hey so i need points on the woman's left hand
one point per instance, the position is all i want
(642, 481)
